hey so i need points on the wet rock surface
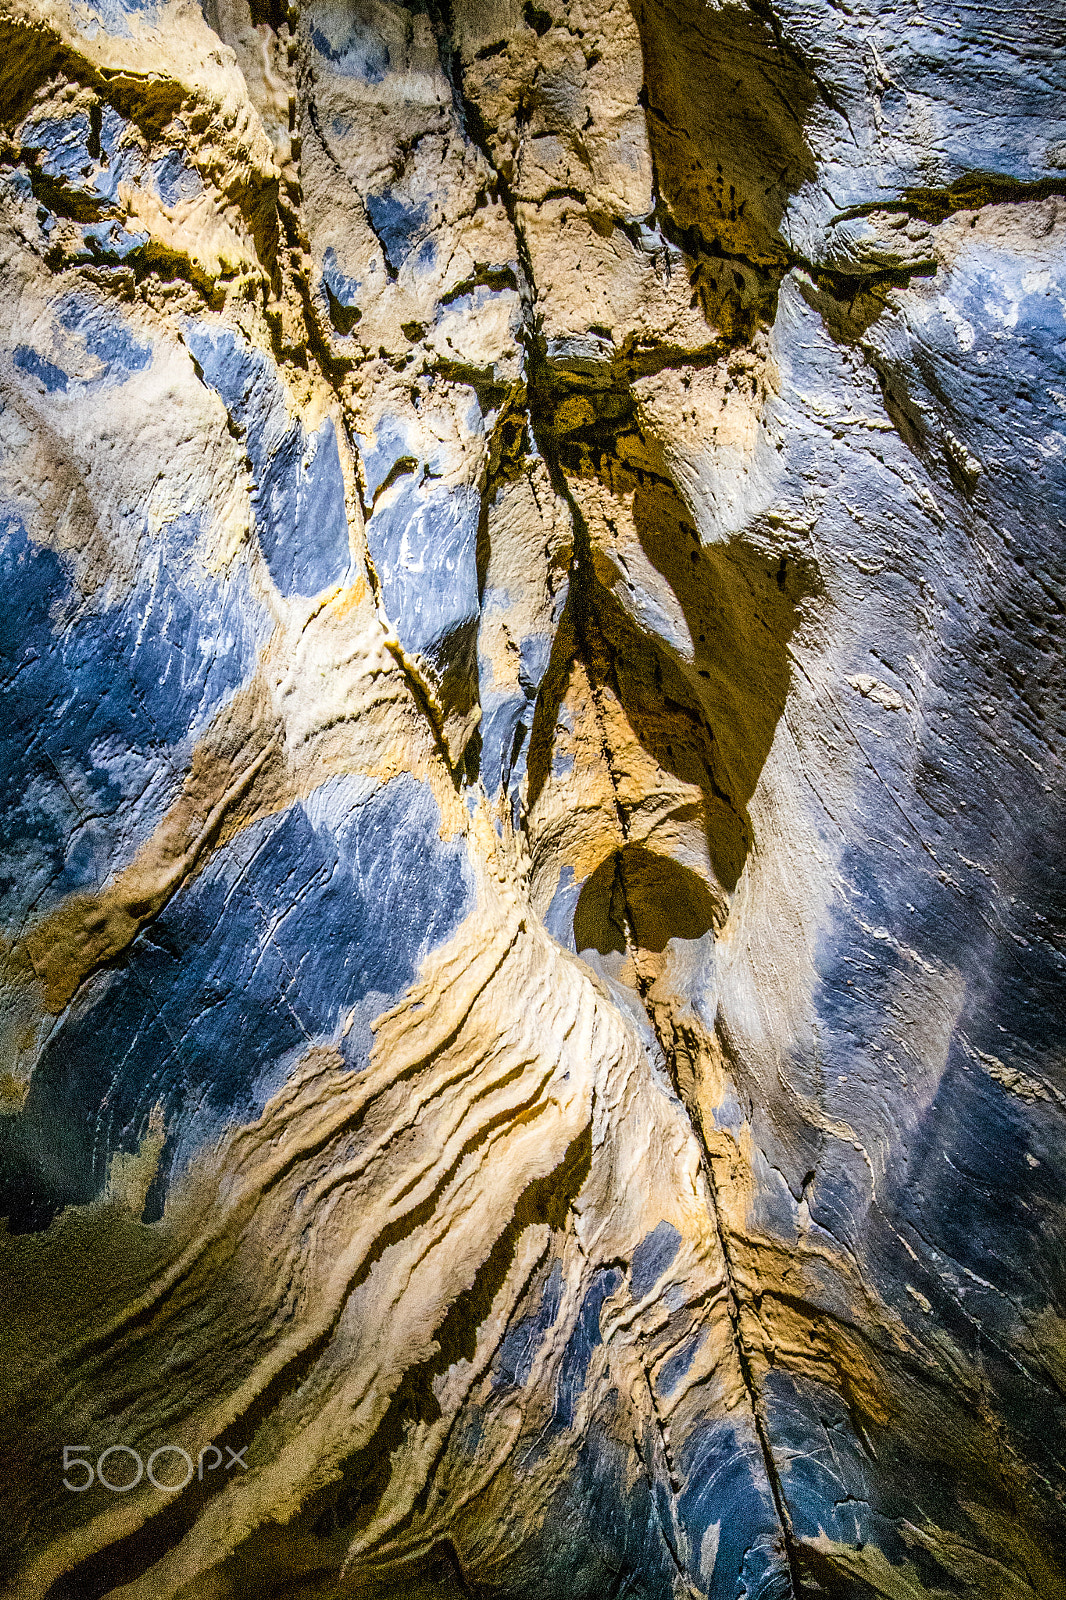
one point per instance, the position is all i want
(532, 907)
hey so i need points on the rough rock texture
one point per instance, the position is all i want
(532, 821)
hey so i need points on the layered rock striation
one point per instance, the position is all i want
(532, 894)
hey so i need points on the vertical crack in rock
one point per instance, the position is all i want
(582, 586)
(586, 627)
(668, 1045)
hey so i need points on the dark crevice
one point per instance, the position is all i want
(581, 610)
(343, 318)
(401, 468)
(709, 717)
(667, 1044)
(496, 278)
(972, 192)
(585, 623)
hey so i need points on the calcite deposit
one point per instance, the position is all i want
(532, 901)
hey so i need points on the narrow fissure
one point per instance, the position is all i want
(581, 576)
(584, 623)
(666, 1044)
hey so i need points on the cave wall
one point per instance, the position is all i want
(531, 890)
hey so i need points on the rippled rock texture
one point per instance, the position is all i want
(532, 964)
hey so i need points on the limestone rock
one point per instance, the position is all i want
(531, 982)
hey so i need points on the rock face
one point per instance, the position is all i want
(532, 889)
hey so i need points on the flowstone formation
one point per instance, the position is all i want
(533, 722)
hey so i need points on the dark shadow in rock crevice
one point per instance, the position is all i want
(665, 713)
(741, 605)
(705, 708)
(726, 101)
(550, 697)
(646, 896)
